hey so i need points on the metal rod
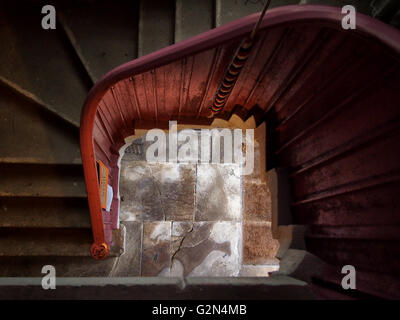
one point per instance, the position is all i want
(231, 75)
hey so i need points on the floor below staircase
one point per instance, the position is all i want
(195, 220)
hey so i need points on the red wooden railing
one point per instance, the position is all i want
(283, 81)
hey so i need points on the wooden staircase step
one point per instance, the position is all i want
(193, 17)
(49, 242)
(156, 25)
(26, 180)
(32, 135)
(41, 62)
(105, 38)
(229, 10)
(29, 212)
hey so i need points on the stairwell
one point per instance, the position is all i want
(45, 76)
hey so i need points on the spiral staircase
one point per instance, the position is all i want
(45, 76)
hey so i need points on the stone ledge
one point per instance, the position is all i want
(274, 288)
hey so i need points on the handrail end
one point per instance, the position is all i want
(99, 251)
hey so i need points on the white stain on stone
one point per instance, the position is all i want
(161, 231)
(166, 272)
(216, 264)
(129, 215)
(170, 173)
(180, 228)
(177, 269)
(219, 263)
(219, 189)
(136, 172)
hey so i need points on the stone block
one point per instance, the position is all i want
(259, 247)
(176, 184)
(140, 196)
(157, 191)
(256, 202)
(128, 265)
(207, 249)
(156, 254)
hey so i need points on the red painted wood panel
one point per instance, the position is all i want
(341, 93)
(331, 59)
(110, 119)
(104, 121)
(377, 205)
(378, 256)
(374, 159)
(196, 79)
(139, 83)
(221, 60)
(291, 51)
(265, 49)
(173, 78)
(101, 153)
(127, 87)
(333, 120)
(125, 103)
(110, 105)
(376, 107)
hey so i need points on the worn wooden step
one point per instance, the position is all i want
(32, 135)
(156, 25)
(26, 180)
(104, 36)
(45, 242)
(41, 63)
(32, 212)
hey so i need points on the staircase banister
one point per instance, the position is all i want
(236, 30)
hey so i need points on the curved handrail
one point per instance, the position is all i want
(234, 30)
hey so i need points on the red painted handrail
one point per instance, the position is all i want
(235, 30)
